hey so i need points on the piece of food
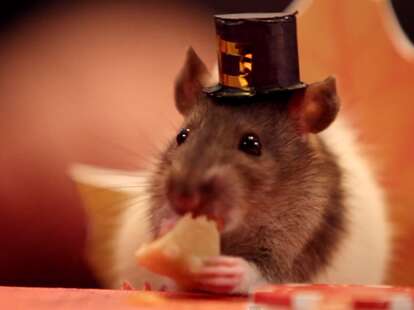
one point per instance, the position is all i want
(179, 253)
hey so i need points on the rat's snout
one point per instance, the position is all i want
(214, 192)
(184, 202)
(189, 195)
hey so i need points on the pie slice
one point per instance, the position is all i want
(179, 253)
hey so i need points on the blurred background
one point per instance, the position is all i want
(91, 82)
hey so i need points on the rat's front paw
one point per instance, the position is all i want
(226, 275)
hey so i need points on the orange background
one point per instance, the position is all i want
(94, 84)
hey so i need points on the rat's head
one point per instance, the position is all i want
(244, 163)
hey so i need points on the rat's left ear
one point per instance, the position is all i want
(316, 107)
(190, 82)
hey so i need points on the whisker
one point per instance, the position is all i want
(115, 188)
(127, 201)
(129, 150)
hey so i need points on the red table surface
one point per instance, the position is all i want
(63, 298)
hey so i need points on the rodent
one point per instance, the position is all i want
(297, 200)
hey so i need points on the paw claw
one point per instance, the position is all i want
(127, 286)
(147, 286)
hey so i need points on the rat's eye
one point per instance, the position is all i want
(182, 135)
(250, 144)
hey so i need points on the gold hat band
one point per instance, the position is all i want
(245, 60)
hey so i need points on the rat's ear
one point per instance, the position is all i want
(190, 82)
(316, 107)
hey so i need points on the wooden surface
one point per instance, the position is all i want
(312, 296)
(58, 298)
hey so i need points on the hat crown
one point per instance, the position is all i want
(257, 53)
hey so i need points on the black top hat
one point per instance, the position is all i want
(257, 54)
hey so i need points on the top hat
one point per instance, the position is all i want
(257, 55)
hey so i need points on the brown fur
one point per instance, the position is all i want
(285, 207)
(289, 197)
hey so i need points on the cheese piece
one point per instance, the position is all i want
(179, 253)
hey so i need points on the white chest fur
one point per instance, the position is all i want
(363, 256)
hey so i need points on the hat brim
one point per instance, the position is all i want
(221, 91)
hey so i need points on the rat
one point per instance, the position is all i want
(295, 198)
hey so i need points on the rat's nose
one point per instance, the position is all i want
(194, 196)
(185, 201)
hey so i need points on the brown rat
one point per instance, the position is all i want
(295, 205)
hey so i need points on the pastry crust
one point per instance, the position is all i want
(179, 253)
